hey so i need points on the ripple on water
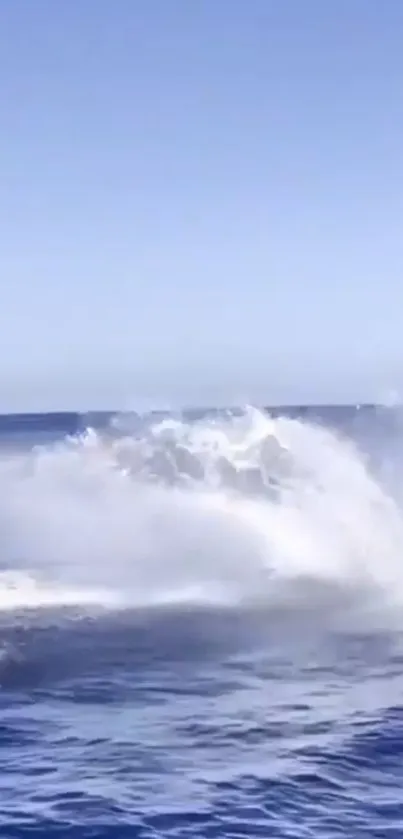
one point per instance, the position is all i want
(199, 726)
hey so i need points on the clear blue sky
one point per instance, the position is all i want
(201, 201)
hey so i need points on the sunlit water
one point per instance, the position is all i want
(201, 626)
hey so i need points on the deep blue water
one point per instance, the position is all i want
(156, 713)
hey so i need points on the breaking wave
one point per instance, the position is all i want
(228, 509)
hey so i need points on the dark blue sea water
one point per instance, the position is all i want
(201, 625)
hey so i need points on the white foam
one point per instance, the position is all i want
(216, 511)
(21, 591)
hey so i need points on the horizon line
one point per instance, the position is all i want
(290, 406)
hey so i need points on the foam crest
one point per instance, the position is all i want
(227, 509)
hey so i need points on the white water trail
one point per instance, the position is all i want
(225, 510)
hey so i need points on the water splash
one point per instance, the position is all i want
(226, 509)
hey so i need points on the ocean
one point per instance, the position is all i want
(201, 624)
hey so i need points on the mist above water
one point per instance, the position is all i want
(225, 510)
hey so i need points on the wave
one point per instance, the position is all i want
(228, 509)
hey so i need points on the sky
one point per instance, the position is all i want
(200, 202)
